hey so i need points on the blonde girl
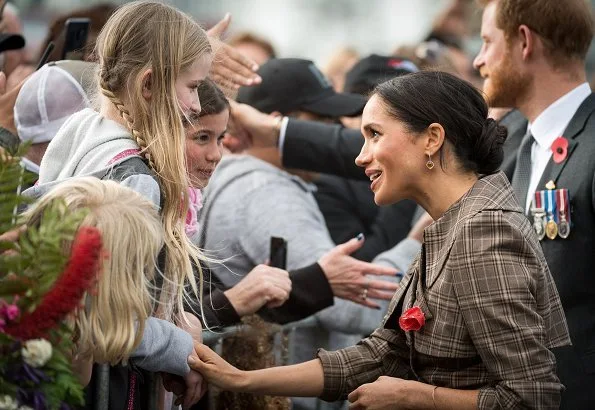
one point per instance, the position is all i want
(122, 216)
(152, 57)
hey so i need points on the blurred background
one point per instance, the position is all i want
(313, 29)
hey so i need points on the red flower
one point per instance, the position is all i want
(66, 295)
(559, 149)
(412, 319)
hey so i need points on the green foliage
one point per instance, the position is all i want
(29, 268)
(12, 177)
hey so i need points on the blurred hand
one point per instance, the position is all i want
(192, 325)
(417, 231)
(8, 98)
(349, 279)
(191, 388)
(230, 69)
(253, 127)
(264, 285)
(188, 390)
(216, 370)
(19, 75)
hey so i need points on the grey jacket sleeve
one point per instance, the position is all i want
(164, 348)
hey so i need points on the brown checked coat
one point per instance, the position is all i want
(492, 311)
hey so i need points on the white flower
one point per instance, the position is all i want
(7, 403)
(36, 352)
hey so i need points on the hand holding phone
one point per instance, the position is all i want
(278, 255)
(76, 31)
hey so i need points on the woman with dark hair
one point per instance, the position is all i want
(476, 315)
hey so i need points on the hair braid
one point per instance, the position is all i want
(125, 114)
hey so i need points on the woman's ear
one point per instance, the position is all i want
(435, 138)
(146, 81)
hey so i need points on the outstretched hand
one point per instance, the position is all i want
(386, 393)
(215, 369)
(8, 98)
(349, 277)
(230, 68)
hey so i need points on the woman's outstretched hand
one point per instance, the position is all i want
(216, 370)
(386, 393)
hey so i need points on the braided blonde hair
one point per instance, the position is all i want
(122, 216)
(147, 35)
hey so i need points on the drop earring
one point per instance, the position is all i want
(430, 163)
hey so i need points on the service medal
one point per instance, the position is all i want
(538, 213)
(551, 229)
(564, 207)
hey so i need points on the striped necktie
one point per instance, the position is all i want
(522, 171)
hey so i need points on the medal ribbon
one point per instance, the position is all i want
(550, 206)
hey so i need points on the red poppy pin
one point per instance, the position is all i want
(412, 319)
(560, 149)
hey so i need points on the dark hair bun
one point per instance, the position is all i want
(488, 153)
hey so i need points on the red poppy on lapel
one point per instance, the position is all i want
(560, 149)
(412, 319)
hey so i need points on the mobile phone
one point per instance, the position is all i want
(76, 31)
(45, 56)
(278, 255)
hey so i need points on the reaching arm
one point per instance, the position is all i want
(300, 380)
(320, 147)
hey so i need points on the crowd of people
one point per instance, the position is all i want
(438, 210)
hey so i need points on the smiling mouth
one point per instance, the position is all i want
(374, 179)
(206, 172)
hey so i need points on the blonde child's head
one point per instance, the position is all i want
(112, 323)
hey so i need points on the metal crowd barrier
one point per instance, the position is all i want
(214, 339)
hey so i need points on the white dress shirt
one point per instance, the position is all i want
(548, 126)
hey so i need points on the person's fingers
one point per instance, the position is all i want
(234, 55)
(13, 235)
(235, 61)
(353, 396)
(364, 302)
(381, 295)
(373, 269)
(2, 83)
(380, 285)
(224, 82)
(192, 392)
(218, 29)
(240, 75)
(352, 245)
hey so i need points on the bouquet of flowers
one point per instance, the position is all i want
(42, 284)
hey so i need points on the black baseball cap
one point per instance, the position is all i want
(11, 42)
(375, 69)
(293, 84)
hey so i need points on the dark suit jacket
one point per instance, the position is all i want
(571, 260)
(321, 147)
(516, 125)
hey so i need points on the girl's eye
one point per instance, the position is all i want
(220, 139)
(201, 138)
